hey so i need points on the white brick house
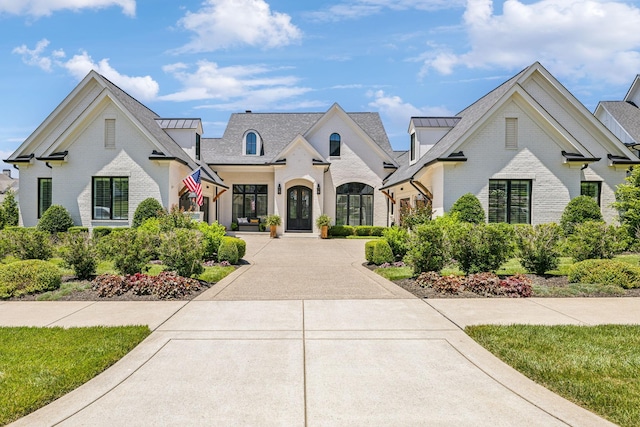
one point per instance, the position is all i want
(525, 150)
(101, 152)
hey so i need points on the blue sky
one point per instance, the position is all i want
(401, 58)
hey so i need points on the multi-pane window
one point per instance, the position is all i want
(413, 146)
(251, 144)
(354, 204)
(44, 195)
(197, 146)
(110, 198)
(334, 145)
(591, 189)
(510, 201)
(249, 201)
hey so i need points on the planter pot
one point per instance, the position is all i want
(324, 232)
(272, 231)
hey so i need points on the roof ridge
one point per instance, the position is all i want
(127, 94)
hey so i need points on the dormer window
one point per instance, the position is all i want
(334, 145)
(413, 146)
(252, 144)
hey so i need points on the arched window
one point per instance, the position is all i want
(334, 144)
(251, 144)
(354, 204)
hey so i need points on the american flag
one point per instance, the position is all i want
(194, 185)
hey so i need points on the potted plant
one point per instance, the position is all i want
(273, 221)
(323, 222)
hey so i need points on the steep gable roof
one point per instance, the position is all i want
(276, 131)
(146, 118)
(474, 115)
(468, 118)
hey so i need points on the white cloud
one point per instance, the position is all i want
(245, 87)
(222, 24)
(359, 8)
(598, 39)
(398, 111)
(142, 88)
(34, 56)
(40, 8)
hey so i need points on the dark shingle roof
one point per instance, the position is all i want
(627, 115)
(468, 117)
(277, 130)
(148, 119)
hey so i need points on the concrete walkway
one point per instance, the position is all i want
(348, 349)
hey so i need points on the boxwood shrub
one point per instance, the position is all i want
(101, 231)
(228, 251)
(605, 272)
(55, 219)
(78, 229)
(368, 251)
(26, 277)
(341, 231)
(382, 252)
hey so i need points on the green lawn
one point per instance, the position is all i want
(596, 367)
(38, 365)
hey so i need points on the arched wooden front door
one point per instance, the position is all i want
(299, 208)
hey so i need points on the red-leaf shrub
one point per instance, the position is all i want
(443, 284)
(517, 286)
(166, 285)
(485, 284)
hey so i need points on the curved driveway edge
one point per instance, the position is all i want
(313, 361)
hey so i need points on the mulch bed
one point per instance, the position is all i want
(412, 286)
(91, 295)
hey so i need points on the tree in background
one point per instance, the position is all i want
(10, 209)
(628, 202)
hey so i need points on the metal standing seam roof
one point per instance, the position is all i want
(435, 122)
(178, 123)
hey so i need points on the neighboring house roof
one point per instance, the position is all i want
(626, 114)
(149, 120)
(6, 183)
(276, 131)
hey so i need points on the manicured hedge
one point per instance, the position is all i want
(605, 272)
(26, 277)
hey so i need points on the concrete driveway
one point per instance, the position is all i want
(305, 336)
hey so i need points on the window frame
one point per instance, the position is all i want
(335, 145)
(236, 191)
(413, 146)
(112, 198)
(351, 195)
(599, 190)
(509, 196)
(258, 150)
(41, 211)
(197, 146)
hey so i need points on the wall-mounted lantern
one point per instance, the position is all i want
(318, 190)
(279, 189)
